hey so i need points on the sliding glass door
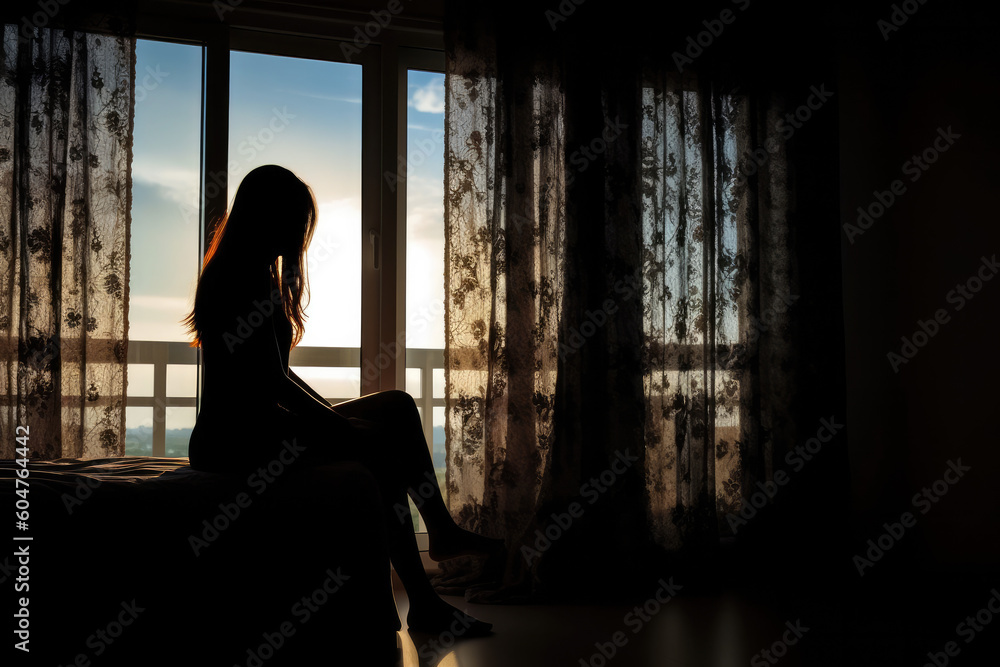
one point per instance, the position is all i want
(306, 115)
(368, 137)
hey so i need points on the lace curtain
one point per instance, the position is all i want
(613, 248)
(66, 103)
(718, 277)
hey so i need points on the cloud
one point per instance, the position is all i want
(429, 98)
(425, 209)
(157, 317)
(172, 182)
(329, 98)
(169, 304)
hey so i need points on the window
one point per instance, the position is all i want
(166, 176)
(424, 195)
(305, 115)
(365, 130)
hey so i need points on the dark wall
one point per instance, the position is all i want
(937, 71)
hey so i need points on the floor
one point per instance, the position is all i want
(721, 630)
(912, 619)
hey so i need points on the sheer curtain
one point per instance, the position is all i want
(614, 238)
(66, 102)
(717, 257)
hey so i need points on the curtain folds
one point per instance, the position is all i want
(504, 262)
(66, 108)
(717, 258)
(619, 276)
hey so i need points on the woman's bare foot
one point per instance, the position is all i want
(432, 615)
(455, 541)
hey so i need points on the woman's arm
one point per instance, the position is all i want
(306, 405)
(255, 366)
(300, 401)
(305, 387)
(300, 398)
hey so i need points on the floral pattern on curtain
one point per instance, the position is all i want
(66, 108)
(618, 273)
(504, 266)
(716, 256)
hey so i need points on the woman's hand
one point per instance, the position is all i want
(365, 428)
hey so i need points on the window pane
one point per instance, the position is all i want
(425, 252)
(140, 380)
(180, 421)
(425, 210)
(305, 115)
(165, 185)
(138, 431)
(182, 380)
(437, 449)
(165, 233)
(413, 379)
(333, 384)
(438, 384)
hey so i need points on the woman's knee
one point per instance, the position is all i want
(399, 399)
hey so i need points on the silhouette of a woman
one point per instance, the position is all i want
(248, 314)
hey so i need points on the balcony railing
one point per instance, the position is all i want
(161, 354)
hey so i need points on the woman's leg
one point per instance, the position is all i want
(396, 412)
(409, 455)
(404, 465)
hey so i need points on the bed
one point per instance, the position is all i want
(142, 561)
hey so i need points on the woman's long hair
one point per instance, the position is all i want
(271, 221)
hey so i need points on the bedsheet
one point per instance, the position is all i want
(214, 562)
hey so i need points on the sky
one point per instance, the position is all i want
(304, 115)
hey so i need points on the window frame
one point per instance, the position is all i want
(394, 314)
(403, 45)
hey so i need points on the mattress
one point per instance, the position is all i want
(60, 475)
(221, 557)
